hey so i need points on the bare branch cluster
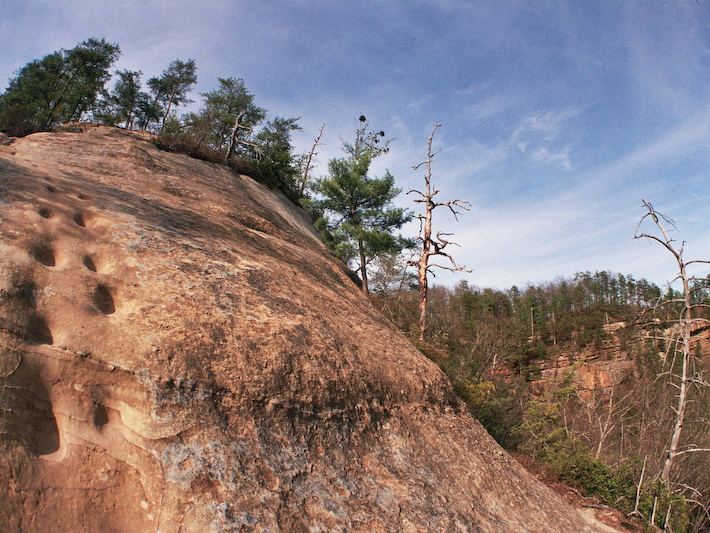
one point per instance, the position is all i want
(678, 337)
(432, 245)
(309, 161)
(234, 138)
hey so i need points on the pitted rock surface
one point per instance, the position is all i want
(178, 352)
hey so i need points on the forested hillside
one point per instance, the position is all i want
(520, 358)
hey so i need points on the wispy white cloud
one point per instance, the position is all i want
(544, 156)
(537, 135)
(547, 123)
(483, 101)
(419, 104)
(643, 163)
(590, 224)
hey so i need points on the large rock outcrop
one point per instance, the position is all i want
(178, 352)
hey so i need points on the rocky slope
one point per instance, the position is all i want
(178, 352)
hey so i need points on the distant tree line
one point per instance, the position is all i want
(606, 440)
(561, 312)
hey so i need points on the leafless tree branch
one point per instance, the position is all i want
(679, 336)
(432, 246)
(308, 163)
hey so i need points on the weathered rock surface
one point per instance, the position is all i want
(178, 352)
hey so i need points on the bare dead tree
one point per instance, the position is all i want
(678, 337)
(604, 410)
(639, 487)
(234, 138)
(308, 162)
(432, 246)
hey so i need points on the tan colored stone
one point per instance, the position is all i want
(180, 353)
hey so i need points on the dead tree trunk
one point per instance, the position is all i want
(167, 110)
(234, 139)
(308, 162)
(363, 267)
(432, 246)
(233, 133)
(684, 338)
(679, 341)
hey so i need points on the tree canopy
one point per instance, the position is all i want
(61, 87)
(70, 85)
(223, 106)
(127, 104)
(173, 85)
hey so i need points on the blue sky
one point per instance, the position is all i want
(557, 117)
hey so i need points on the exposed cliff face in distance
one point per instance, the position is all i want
(602, 368)
(592, 368)
(178, 352)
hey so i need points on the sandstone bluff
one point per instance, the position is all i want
(178, 352)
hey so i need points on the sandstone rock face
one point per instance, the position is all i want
(178, 352)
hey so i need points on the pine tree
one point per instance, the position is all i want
(276, 165)
(358, 208)
(61, 87)
(230, 115)
(172, 87)
(127, 104)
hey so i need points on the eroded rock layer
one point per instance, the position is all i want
(178, 352)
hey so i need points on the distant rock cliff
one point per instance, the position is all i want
(178, 352)
(603, 367)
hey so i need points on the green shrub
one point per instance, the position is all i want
(595, 477)
(616, 485)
